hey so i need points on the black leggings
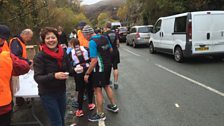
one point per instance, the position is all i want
(83, 88)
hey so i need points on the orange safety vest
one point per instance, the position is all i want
(5, 47)
(24, 55)
(5, 77)
(82, 39)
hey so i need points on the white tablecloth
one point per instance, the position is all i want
(28, 86)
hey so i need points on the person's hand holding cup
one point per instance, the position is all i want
(61, 75)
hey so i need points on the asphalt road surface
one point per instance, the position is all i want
(157, 91)
(154, 90)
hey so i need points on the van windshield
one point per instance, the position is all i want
(145, 29)
(115, 27)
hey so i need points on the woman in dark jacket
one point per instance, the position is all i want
(51, 69)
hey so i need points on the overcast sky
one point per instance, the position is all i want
(90, 1)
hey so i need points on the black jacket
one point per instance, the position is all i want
(44, 69)
(63, 39)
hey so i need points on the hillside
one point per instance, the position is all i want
(111, 6)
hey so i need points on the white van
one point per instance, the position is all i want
(115, 25)
(189, 34)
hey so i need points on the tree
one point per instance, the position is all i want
(122, 12)
(36, 14)
(103, 18)
(148, 11)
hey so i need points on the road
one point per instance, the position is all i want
(157, 91)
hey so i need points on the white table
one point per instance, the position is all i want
(28, 89)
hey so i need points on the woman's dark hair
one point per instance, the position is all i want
(75, 42)
(46, 30)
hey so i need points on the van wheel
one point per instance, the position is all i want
(151, 48)
(178, 54)
(217, 58)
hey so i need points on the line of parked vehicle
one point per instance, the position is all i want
(183, 35)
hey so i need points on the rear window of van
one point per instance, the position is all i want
(180, 24)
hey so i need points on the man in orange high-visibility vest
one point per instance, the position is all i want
(11, 65)
(17, 44)
(17, 47)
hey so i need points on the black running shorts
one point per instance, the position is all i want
(102, 79)
(115, 59)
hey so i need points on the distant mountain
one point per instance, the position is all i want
(111, 6)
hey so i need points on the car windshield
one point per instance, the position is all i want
(145, 29)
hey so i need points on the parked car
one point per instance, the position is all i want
(189, 34)
(122, 33)
(139, 35)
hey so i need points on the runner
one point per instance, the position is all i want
(100, 66)
(81, 38)
(115, 54)
(80, 58)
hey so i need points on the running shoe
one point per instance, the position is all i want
(74, 124)
(91, 106)
(79, 113)
(97, 117)
(115, 86)
(112, 108)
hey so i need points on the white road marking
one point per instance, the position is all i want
(132, 52)
(177, 105)
(191, 80)
(101, 123)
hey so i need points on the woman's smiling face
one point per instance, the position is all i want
(51, 40)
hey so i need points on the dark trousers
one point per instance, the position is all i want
(82, 87)
(5, 119)
(55, 106)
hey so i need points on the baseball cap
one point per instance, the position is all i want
(87, 30)
(4, 32)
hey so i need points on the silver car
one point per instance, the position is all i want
(139, 35)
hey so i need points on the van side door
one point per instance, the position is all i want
(167, 28)
(156, 35)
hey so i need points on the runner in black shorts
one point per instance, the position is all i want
(100, 66)
(102, 79)
(113, 37)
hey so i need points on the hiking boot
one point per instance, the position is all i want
(97, 117)
(115, 86)
(91, 106)
(79, 113)
(112, 108)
